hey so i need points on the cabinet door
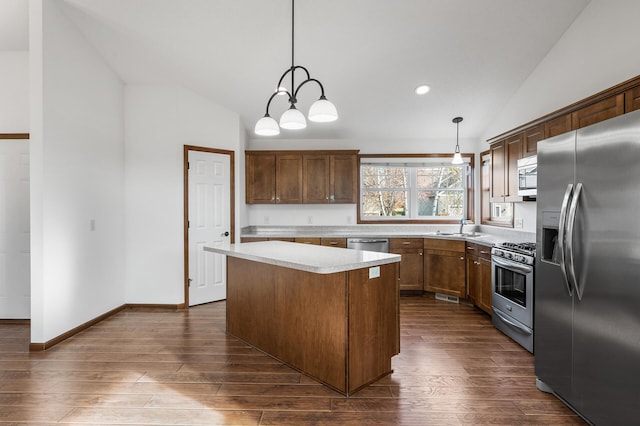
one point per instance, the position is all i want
(632, 99)
(344, 179)
(315, 182)
(473, 279)
(558, 126)
(444, 272)
(484, 301)
(498, 166)
(289, 179)
(261, 179)
(411, 264)
(600, 111)
(514, 153)
(531, 138)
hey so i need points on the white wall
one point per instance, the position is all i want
(77, 177)
(340, 214)
(598, 51)
(160, 120)
(14, 92)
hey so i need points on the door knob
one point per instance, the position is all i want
(225, 234)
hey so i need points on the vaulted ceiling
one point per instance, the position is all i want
(369, 55)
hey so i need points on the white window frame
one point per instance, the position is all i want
(413, 163)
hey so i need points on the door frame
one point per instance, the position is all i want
(231, 155)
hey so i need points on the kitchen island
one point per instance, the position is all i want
(328, 312)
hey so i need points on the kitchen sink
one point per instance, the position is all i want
(457, 234)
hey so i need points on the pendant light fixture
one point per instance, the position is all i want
(321, 111)
(457, 158)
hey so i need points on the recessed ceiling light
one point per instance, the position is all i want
(422, 89)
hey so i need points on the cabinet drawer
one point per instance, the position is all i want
(484, 252)
(252, 239)
(315, 241)
(334, 242)
(440, 244)
(404, 243)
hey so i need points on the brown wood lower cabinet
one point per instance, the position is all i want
(334, 242)
(411, 265)
(479, 276)
(305, 240)
(444, 266)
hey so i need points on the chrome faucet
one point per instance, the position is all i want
(462, 224)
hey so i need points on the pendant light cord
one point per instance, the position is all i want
(292, 49)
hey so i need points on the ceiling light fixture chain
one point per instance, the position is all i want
(322, 110)
(457, 158)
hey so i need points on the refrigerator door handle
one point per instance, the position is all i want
(561, 236)
(572, 223)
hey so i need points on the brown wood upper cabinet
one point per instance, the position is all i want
(531, 138)
(504, 168)
(599, 111)
(632, 99)
(273, 178)
(558, 125)
(329, 178)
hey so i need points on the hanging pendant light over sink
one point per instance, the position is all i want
(457, 158)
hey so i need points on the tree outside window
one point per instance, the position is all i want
(412, 191)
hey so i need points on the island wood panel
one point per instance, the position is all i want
(341, 329)
(374, 324)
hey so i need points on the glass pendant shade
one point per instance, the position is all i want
(457, 158)
(323, 111)
(293, 119)
(267, 126)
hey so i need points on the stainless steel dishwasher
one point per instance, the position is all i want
(369, 244)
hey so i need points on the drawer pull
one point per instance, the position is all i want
(406, 242)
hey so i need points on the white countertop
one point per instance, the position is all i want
(306, 257)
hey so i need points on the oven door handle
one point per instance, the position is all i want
(518, 327)
(518, 267)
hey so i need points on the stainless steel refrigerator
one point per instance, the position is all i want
(587, 282)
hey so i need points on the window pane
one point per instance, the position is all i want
(384, 203)
(441, 203)
(384, 177)
(440, 177)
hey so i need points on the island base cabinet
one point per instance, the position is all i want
(341, 329)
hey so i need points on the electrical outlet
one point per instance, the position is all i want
(374, 272)
(348, 220)
(266, 220)
(519, 223)
(310, 220)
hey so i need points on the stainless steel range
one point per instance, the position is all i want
(512, 284)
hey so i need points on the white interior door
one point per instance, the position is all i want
(15, 275)
(209, 225)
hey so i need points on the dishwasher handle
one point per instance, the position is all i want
(368, 240)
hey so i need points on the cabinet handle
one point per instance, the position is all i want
(470, 248)
(406, 242)
(484, 252)
(333, 243)
(461, 257)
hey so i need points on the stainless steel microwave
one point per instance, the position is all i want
(528, 176)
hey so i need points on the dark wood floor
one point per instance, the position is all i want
(160, 367)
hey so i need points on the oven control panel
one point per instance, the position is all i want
(513, 256)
